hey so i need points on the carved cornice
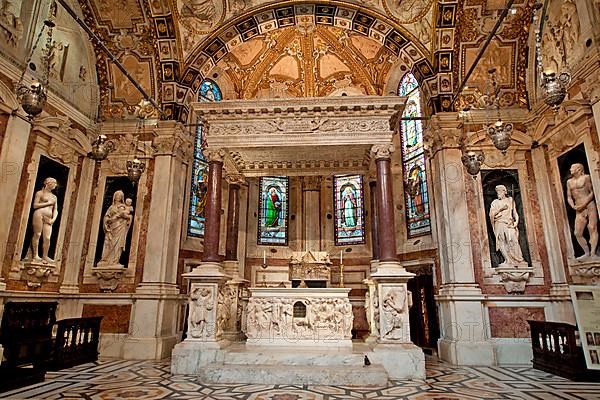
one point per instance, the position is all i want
(444, 131)
(62, 135)
(382, 151)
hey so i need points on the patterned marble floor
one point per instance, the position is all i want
(141, 380)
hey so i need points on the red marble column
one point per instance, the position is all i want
(212, 225)
(233, 222)
(385, 203)
(374, 221)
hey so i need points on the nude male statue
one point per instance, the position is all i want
(44, 214)
(580, 196)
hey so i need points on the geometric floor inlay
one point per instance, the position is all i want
(142, 380)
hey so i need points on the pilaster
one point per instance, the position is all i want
(155, 327)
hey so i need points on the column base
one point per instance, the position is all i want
(466, 353)
(208, 271)
(190, 355)
(401, 361)
(69, 288)
(144, 348)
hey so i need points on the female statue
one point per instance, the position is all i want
(44, 215)
(505, 221)
(116, 223)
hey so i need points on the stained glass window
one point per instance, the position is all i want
(349, 210)
(209, 90)
(273, 210)
(416, 194)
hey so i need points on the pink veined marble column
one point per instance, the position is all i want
(233, 222)
(374, 221)
(385, 203)
(212, 225)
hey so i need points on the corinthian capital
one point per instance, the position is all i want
(215, 155)
(236, 179)
(382, 151)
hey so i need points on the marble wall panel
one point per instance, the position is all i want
(511, 322)
(115, 316)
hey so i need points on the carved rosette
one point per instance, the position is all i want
(215, 155)
(109, 277)
(382, 151)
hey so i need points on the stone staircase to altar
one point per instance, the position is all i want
(289, 365)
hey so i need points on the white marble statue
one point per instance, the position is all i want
(505, 220)
(44, 215)
(116, 223)
(580, 196)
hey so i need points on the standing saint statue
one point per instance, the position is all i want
(116, 223)
(505, 221)
(580, 196)
(273, 208)
(45, 213)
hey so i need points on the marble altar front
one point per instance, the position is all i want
(299, 317)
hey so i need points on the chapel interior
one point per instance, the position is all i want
(349, 180)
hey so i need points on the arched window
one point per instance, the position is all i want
(349, 210)
(273, 210)
(416, 194)
(209, 91)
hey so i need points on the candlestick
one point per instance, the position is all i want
(341, 275)
(341, 257)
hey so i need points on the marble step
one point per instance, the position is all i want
(293, 356)
(340, 375)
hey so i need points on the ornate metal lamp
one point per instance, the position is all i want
(33, 97)
(101, 147)
(135, 168)
(554, 88)
(472, 162)
(500, 132)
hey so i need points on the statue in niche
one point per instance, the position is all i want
(44, 214)
(505, 220)
(392, 306)
(580, 196)
(116, 223)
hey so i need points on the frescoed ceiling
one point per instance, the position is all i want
(262, 48)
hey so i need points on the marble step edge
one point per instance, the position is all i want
(342, 375)
(294, 358)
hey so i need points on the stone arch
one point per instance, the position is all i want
(272, 17)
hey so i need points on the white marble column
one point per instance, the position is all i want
(311, 195)
(12, 159)
(73, 264)
(463, 338)
(153, 332)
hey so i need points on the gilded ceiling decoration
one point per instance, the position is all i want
(308, 61)
(507, 52)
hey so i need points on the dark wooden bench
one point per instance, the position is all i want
(76, 342)
(555, 351)
(26, 336)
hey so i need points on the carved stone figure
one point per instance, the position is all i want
(10, 23)
(45, 213)
(392, 307)
(116, 223)
(203, 10)
(201, 307)
(580, 196)
(505, 220)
